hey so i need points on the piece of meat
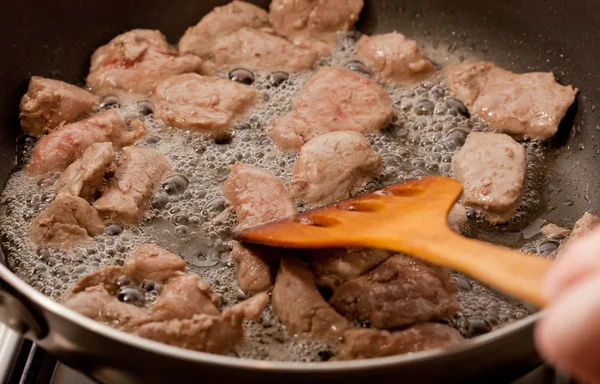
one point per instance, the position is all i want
(304, 20)
(402, 290)
(135, 61)
(59, 149)
(49, 103)
(583, 226)
(68, 220)
(335, 266)
(257, 50)
(530, 104)
(334, 99)
(85, 176)
(299, 305)
(221, 21)
(183, 297)
(139, 173)
(106, 277)
(207, 333)
(333, 167)
(457, 218)
(257, 196)
(151, 262)
(491, 167)
(203, 104)
(554, 232)
(394, 58)
(97, 304)
(253, 267)
(371, 343)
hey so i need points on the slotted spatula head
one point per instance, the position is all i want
(409, 217)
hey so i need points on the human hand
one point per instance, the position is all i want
(568, 335)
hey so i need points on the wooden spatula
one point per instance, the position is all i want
(410, 217)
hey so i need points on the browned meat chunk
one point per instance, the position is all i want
(333, 167)
(300, 306)
(85, 176)
(491, 168)
(257, 50)
(98, 304)
(139, 173)
(220, 22)
(49, 103)
(372, 343)
(334, 99)
(135, 61)
(457, 218)
(152, 262)
(253, 267)
(183, 297)
(204, 104)
(394, 58)
(400, 291)
(530, 104)
(333, 267)
(305, 20)
(207, 333)
(56, 151)
(553, 231)
(257, 196)
(68, 220)
(106, 277)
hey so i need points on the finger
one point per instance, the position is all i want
(576, 261)
(568, 335)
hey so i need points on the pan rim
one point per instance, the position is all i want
(158, 348)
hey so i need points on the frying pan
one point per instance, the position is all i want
(55, 38)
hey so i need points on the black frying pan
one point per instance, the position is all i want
(55, 39)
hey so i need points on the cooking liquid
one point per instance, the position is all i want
(429, 128)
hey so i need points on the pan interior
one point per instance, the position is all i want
(448, 35)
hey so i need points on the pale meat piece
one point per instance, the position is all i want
(457, 218)
(334, 99)
(98, 304)
(139, 172)
(303, 21)
(106, 277)
(530, 104)
(68, 220)
(299, 305)
(394, 58)
(335, 266)
(253, 267)
(207, 333)
(202, 104)
(149, 261)
(85, 176)
(583, 226)
(221, 21)
(372, 343)
(49, 103)
(135, 61)
(333, 167)
(257, 50)
(59, 149)
(183, 297)
(491, 167)
(554, 232)
(401, 291)
(257, 196)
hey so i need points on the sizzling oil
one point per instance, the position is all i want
(429, 128)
